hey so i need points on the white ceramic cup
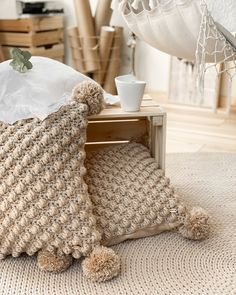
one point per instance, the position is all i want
(130, 91)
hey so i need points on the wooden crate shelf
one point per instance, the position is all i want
(114, 126)
(42, 36)
(34, 24)
(31, 39)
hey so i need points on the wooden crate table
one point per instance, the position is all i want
(114, 126)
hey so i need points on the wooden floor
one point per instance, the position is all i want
(199, 130)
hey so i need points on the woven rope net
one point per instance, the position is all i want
(213, 44)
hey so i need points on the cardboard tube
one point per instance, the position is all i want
(105, 47)
(76, 49)
(115, 62)
(102, 15)
(87, 35)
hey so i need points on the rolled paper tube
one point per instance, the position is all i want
(87, 35)
(76, 49)
(102, 15)
(115, 62)
(105, 47)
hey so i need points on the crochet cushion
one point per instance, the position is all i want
(44, 202)
(132, 198)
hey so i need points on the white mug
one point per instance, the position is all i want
(130, 91)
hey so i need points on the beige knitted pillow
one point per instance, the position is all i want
(44, 201)
(132, 198)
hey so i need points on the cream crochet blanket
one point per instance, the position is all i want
(44, 203)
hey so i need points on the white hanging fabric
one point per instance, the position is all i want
(170, 26)
(183, 28)
(173, 26)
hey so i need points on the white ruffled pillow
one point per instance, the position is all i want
(37, 93)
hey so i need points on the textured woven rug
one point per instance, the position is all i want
(162, 265)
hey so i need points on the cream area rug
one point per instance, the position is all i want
(162, 265)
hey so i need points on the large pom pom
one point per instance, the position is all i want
(102, 265)
(49, 261)
(196, 225)
(90, 93)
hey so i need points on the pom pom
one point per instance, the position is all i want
(196, 225)
(90, 93)
(102, 265)
(49, 261)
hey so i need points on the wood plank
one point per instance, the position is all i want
(178, 145)
(2, 56)
(31, 39)
(199, 140)
(47, 23)
(220, 130)
(54, 52)
(19, 25)
(117, 112)
(226, 148)
(97, 146)
(117, 130)
(194, 119)
(15, 39)
(33, 24)
(44, 38)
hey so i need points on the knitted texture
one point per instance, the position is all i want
(44, 202)
(165, 264)
(132, 198)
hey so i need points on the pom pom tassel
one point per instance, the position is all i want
(53, 262)
(90, 93)
(196, 224)
(103, 264)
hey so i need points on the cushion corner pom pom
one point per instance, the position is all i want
(52, 262)
(196, 225)
(103, 264)
(90, 93)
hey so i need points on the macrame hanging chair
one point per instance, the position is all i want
(186, 29)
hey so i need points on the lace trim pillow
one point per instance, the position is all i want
(44, 201)
(132, 198)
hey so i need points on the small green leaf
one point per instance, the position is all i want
(29, 65)
(20, 60)
(27, 55)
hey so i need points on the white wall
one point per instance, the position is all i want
(151, 64)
